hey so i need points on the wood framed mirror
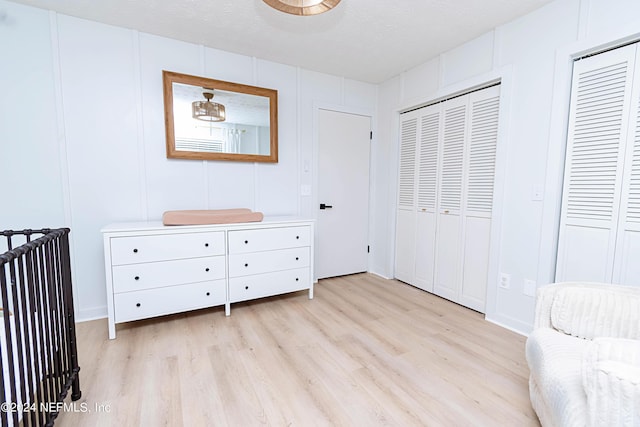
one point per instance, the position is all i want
(207, 119)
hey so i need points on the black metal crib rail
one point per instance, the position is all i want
(39, 362)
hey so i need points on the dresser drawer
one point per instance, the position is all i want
(267, 239)
(263, 285)
(130, 250)
(136, 277)
(172, 299)
(263, 262)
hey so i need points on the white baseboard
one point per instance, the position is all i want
(88, 314)
(504, 323)
(380, 275)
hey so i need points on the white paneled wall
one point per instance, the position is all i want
(165, 180)
(28, 86)
(471, 59)
(94, 151)
(531, 56)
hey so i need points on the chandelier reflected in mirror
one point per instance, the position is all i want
(303, 7)
(206, 110)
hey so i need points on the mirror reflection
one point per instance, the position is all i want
(217, 120)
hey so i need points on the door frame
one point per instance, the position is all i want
(317, 106)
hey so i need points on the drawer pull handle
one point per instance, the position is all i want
(246, 287)
(297, 280)
(246, 265)
(206, 245)
(297, 258)
(138, 305)
(206, 269)
(208, 293)
(137, 278)
(297, 237)
(135, 250)
(246, 242)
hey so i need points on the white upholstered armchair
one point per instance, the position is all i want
(584, 355)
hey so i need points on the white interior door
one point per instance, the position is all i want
(445, 196)
(343, 193)
(599, 112)
(448, 269)
(626, 269)
(427, 183)
(481, 147)
(405, 262)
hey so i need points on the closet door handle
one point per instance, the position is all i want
(323, 206)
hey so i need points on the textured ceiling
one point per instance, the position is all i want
(367, 40)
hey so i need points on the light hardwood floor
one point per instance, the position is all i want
(364, 352)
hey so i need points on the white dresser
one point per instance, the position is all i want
(154, 270)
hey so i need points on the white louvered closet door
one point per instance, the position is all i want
(478, 201)
(598, 125)
(445, 198)
(406, 213)
(448, 263)
(427, 180)
(626, 264)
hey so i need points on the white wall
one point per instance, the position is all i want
(82, 133)
(93, 152)
(532, 56)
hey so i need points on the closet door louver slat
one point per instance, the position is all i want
(596, 142)
(452, 156)
(427, 177)
(408, 140)
(482, 155)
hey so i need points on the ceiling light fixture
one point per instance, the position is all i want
(303, 7)
(208, 111)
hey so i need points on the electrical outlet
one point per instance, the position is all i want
(505, 281)
(529, 288)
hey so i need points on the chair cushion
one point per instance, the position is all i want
(611, 379)
(555, 361)
(589, 313)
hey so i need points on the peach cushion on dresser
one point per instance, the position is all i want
(216, 216)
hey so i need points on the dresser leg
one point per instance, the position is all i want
(112, 330)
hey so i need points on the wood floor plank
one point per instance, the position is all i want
(365, 351)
